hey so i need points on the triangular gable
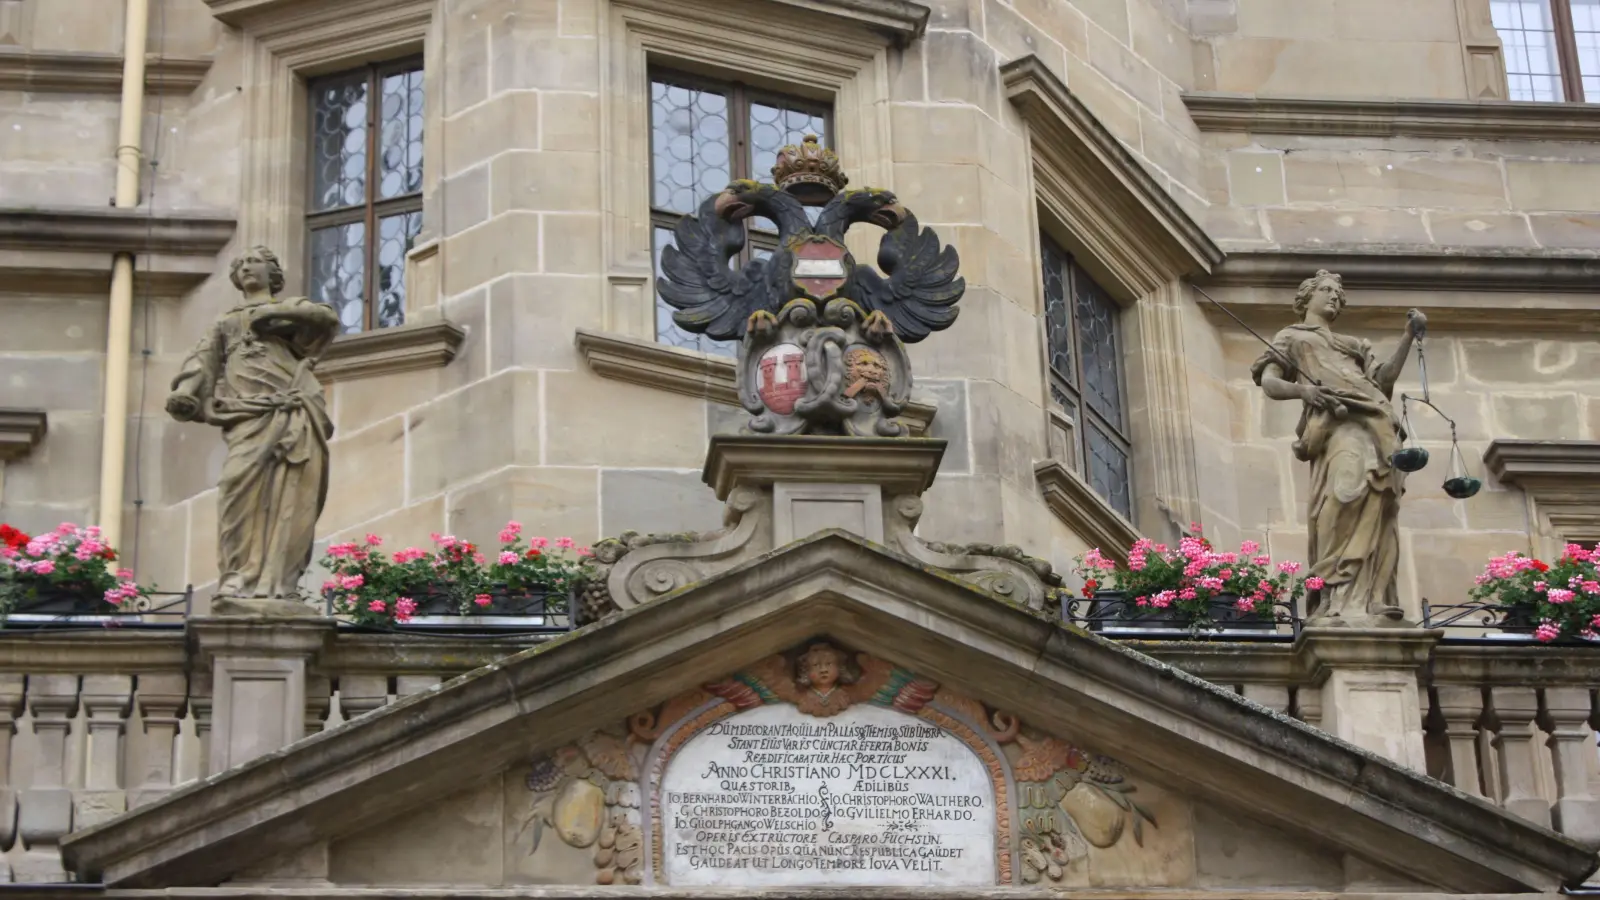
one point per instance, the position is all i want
(922, 629)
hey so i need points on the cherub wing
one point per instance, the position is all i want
(885, 684)
(709, 297)
(920, 293)
(769, 681)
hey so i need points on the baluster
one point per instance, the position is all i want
(11, 693)
(1577, 811)
(107, 701)
(47, 802)
(1462, 709)
(161, 707)
(406, 685)
(1516, 738)
(319, 701)
(361, 694)
(1273, 696)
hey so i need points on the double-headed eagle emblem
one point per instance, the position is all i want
(828, 330)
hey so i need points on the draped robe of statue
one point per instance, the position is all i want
(252, 376)
(1353, 518)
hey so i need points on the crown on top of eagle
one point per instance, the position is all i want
(809, 171)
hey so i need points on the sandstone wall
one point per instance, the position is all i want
(535, 243)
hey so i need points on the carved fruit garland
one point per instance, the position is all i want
(589, 796)
(1070, 800)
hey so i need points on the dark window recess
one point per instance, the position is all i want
(704, 134)
(365, 207)
(1083, 343)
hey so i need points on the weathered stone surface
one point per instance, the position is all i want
(656, 500)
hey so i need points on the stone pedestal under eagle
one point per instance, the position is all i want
(821, 347)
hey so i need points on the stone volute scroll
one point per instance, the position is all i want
(1350, 434)
(822, 339)
(252, 376)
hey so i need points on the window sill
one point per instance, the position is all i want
(20, 431)
(1076, 504)
(687, 372)
(425, 345)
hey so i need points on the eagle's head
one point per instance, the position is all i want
(880, 207)
(742, 199)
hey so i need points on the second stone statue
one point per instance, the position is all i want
(252, 376)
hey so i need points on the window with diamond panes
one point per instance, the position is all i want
(704, 134)
(1551, 47)
(365, 207)
(1084, 347)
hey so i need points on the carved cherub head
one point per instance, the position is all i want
(824, 666)
(256, 269)
(1322, 293)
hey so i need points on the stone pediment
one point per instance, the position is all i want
(1034, 754)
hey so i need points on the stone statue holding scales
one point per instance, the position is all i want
(1348, 431)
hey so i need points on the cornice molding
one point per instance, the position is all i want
(20, 431)
(1126, 220)
(901, 20)
(111, 230)
(1485, 120)
(96, 73)
(1552, 467)
(1459, 287)
(1083, 511)
(681, 371)
(385, 351)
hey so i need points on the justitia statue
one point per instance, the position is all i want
(821, 337)
(1348, 431)
(251, 375)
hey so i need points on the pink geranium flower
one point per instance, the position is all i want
(1315, 583)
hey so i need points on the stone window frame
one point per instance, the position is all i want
(1560, 481)
(1569, 74)
(283, 44)
(822, 49)
(1134, 240)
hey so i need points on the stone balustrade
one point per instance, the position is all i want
(1509, 721)
(100, 720)
(95, 721)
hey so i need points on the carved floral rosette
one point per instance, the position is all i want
(822, 372)
(1054, 804)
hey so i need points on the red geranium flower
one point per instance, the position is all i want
(11, 537)
(1541, 565)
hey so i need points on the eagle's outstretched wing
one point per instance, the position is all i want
(920, 293)
(709, 297)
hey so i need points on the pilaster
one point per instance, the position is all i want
(1368, 681)
(258, 671)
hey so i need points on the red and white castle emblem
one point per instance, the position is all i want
(782, 378)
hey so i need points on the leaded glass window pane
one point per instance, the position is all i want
(1057, 318)
(689, 145)
(400, 148)
(704, 134)
(1108, 470)
(338, 266)
(1586, 33)
(1096, 317)
(339, 142)
(1083, 349)
(365, 208)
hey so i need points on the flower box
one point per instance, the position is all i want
(1557, 601)
(537, 607)
(62, 576)
(1112, 609)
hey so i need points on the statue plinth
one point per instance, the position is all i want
(782, 488)
(818, 482)
(1368, 681)
(257, 667)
